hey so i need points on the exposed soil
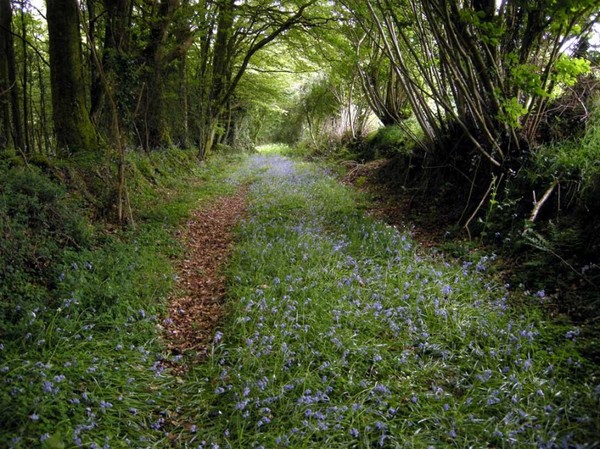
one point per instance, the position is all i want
(195, 312)
(393, 205)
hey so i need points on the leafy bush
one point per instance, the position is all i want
(560, 250)
(576, 160)
(38, 221)
(388, 141)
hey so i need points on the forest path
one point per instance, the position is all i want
(341, 331)
(197, 306)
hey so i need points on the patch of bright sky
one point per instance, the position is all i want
(39, 7)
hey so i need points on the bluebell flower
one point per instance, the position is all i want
(218, 336)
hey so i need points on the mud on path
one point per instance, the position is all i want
(197, 307)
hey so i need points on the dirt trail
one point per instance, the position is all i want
(197, 309)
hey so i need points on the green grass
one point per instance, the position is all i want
(80, 345)
(343, 334)
(576, 160)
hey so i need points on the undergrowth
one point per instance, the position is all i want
(343, 334)
(80, 351)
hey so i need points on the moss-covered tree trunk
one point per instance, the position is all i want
(72, 124)
(10, 117)
(5, 17)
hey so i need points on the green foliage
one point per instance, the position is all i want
(297, 151)
(318, 99)
(80, 352)
(62, 301)
(576, 159)
(512, 111)
(84, 355)
(9, 158)
(343, 334)
(387, 141)
(491, 31)
(567, 70)
(527, 77)
(37, 221)
(559, 251)
(151, 177)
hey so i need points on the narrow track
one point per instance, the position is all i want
(196, 310)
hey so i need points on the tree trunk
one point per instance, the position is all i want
(183, 95)
(5, 85)
(169, 41)
(156, 133)
(72, 124)
(208, 132)
(96, 85)
(115, 51)
(26, 96)
(10, 117)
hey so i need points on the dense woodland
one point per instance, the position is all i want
(492, 104)
(481, 117)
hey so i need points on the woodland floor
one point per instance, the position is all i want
(326, 326)
(392, 206)
(430, 227)
(197, 308)
(308, 325)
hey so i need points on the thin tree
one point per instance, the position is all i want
(10, 118)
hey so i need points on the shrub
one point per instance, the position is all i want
(38, 221)
(385, 142)
(33, 211)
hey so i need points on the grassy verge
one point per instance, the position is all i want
(342, 334)
(80, 351)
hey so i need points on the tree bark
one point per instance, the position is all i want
(169, 41)
(115, 52)
(26, 96)
(72, 125)
(10, 117)
(5, 85)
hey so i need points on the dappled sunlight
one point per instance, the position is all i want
(273, 148)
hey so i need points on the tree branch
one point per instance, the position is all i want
(289, 23)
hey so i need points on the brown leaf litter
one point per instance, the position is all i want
(195, 311)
